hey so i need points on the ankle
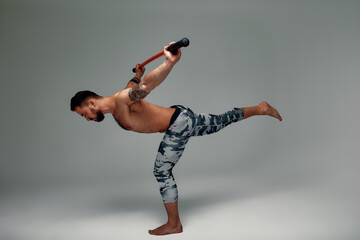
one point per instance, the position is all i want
(174, 222)
(262, 108)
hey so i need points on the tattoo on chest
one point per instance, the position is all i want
(136, 93)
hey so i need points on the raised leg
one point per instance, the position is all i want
(262, 109)
(205, 124)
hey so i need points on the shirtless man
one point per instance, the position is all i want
(178, 123)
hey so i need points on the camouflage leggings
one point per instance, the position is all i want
(186, 125)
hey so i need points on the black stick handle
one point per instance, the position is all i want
(182, 43)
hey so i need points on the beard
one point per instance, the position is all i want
(99, 116)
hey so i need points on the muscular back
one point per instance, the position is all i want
(140, 116)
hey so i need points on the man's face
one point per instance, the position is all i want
(90, 113)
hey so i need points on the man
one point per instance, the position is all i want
(179, 123)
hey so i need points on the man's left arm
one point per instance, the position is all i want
(155, 77)
(139, 72)
(159, 74)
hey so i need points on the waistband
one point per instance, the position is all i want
(177, 112)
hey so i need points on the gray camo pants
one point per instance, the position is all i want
(171, 148)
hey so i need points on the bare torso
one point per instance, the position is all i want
(141, 116)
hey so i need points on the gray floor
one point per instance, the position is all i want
(101, 212)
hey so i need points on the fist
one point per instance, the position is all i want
(139, 71)
(174, 58)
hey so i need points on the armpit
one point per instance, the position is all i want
(136, 93)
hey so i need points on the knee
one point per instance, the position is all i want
(161, 174)
(156, 172)
(163, 170)
(168, 188)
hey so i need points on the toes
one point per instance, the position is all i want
(153, 232)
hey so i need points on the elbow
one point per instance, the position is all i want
(138, 92)
(147, 88)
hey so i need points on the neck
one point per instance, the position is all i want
(106, 105)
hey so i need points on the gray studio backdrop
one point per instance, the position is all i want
(303, 57)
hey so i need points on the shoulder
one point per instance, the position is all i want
(122, 97)
(122, 106)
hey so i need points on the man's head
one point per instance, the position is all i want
(85, 104)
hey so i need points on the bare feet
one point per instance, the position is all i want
(166, 229)
(267, 109)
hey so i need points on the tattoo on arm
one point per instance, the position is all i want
(135, 93)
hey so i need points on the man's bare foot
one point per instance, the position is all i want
(166, 229)
(267, 109)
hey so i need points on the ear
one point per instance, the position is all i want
(91, 102)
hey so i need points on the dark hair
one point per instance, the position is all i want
(80, 97)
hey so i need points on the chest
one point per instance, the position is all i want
(123, 122)
(127, 117)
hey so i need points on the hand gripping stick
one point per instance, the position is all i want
(172, 48)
